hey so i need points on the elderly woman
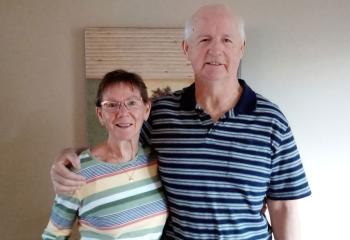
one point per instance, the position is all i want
(123, 197)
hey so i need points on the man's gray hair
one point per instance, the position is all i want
(189, 27)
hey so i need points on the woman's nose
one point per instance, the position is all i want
(122, 109)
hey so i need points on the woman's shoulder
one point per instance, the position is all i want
(146, 154)
(86, 158)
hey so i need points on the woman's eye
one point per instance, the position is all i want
(131, 103)
(111, 105)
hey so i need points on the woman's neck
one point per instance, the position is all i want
(116, 151)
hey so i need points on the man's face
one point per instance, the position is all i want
(215, 46)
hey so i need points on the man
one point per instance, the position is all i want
(223, 149)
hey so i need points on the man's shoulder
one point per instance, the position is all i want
(269, 109)
(263, 101)
(173, 94)
(173, 97)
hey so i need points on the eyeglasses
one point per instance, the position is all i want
(114, 106)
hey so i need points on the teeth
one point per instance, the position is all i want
(214, 63)
(123, 125)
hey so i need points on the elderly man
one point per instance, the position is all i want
(223, 149)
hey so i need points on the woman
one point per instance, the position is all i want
(123, 197)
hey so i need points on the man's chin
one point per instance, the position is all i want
(213, 76)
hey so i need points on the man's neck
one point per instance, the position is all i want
(217, 98)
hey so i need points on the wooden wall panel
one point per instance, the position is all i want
(154, 53)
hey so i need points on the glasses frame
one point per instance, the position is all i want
(122, 103)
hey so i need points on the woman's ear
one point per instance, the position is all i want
(148, 106)
(99, 116)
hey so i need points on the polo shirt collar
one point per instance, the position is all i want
(245, 105)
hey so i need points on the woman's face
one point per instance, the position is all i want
(122, 112)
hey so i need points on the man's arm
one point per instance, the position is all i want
(64, 180)
(284, 219)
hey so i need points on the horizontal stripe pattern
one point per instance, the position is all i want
(110, 206)
(217, 175)
(126, 217)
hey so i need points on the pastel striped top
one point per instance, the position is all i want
(119, 201)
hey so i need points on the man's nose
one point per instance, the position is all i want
(216, 47)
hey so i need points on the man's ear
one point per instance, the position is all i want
(243, 49)
(185, 47)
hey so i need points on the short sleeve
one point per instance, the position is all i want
(288, 179)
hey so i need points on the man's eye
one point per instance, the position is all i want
(228, 40)
(204, 40)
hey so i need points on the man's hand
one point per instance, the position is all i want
(64, 180)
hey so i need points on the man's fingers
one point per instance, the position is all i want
(64, 186)
(62, 175)
(64, 181)
(72, 181)
(68, 157)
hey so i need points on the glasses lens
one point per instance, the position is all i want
(132, 103)
(110, 106)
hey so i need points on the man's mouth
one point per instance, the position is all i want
(123, 125)
(214, 63)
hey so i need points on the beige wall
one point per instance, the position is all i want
(297, 55)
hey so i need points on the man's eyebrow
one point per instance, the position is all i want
(203, 36)
(228, 35)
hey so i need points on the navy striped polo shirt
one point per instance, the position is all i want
(217, 175)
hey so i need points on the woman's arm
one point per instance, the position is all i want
(63, 215)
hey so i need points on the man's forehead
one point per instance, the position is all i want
(220, 21)
(205, 26)
(214, 18)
